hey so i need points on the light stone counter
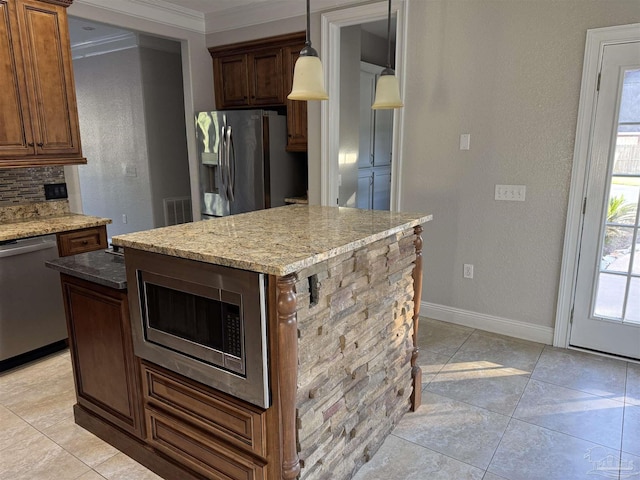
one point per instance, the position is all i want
(42, 218)
(276, 241)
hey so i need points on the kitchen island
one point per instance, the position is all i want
(342, 297)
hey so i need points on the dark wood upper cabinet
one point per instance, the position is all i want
(37, 102)
(259, 74)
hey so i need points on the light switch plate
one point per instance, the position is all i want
(513, 193)
(465, 141)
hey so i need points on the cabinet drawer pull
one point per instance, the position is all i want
(85, 242)
(31, 144)
(41, 144)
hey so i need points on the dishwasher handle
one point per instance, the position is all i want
(19, 249)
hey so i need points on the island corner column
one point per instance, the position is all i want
(416, 371)
(288, 372)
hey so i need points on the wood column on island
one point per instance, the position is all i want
(416, 371)
(288, 372)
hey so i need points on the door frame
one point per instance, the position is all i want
(597, 39)
(330, 126)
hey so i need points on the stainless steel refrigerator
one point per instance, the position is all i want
(244, 165)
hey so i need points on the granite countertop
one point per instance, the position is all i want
(98, 267)
(42, 218)
(276, 241)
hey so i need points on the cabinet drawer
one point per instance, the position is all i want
(198, 451)
(80, 241)
(230, 419)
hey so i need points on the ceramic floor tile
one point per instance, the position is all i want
(400, 459)
(633, 384)
(631, 430)
(582, 371)
(79, 442)
(14, 429)
(440, 337)
(44, 373)
(91, 475)
(502, 351)
(529, 452)
(121, 467)
(464, 432)
(38, 458)
(492, 476)
(573, 412)
(45, 407)
(430, 363)
(629, 466)
(483, 384)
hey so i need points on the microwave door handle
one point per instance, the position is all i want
(231, 162)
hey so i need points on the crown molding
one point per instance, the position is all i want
(113, 43)
(264, 12)
(155, 10)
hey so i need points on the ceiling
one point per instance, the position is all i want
(209, 16)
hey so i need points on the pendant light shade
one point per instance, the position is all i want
(387, 91)
(308, 77)
(387, 88)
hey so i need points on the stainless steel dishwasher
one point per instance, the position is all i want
(32, 320)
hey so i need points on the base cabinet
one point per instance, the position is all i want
(211, 433)
(106, 374)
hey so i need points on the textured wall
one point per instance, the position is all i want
(25, 185)
(507, 72)
(165, 127)
(112, 126)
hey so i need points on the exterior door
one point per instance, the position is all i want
(606, 310)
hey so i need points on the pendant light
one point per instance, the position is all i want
(387, 88)
(308, 79)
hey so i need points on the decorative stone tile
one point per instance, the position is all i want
(492, 476)
(629, 466)
(14, 430)
(276, 241)
(529, 452)
(441, 337)
(23, 185)
(573, 412)
(400, 459)
(582, 371)
(44, 374)
(92, 475)
(456, 429)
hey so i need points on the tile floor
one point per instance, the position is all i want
(494, 408)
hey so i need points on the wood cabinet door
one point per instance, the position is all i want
(47, 54)
(105, 370)
(15, 126)
(231, 77)
(265, 77)
(296, 109)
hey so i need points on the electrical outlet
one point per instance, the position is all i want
(53, 191)
(467, 270)
(124, 218)
(515, 193)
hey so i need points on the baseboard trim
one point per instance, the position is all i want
(490, 323)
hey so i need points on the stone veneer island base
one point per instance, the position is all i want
(343, 298)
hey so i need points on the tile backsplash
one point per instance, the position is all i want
(25, 185)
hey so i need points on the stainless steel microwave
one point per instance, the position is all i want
(206, 322)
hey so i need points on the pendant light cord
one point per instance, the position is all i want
(388, 34)
(308, 42)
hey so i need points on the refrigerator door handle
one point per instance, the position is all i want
(231, 163)
(221, 165)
